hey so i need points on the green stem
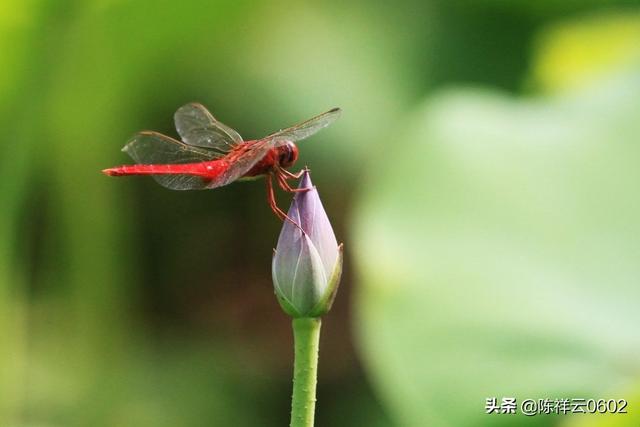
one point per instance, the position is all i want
(306, 336)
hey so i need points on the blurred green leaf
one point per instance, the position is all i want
(499, 256)
(576, 54)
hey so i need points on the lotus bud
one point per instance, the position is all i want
(307, 262)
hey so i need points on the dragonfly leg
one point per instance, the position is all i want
(282, 182)
(271, 197)
(289, 175)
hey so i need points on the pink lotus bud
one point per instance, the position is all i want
(307, 265)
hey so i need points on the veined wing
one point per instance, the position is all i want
(197, 127)
(153, 148)
(242, 159)
(247, 155)
(307, 128)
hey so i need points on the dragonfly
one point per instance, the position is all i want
(210, 154)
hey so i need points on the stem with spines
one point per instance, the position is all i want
(306, 335)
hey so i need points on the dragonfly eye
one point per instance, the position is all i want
(287, 154)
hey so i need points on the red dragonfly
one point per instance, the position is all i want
(212, 154)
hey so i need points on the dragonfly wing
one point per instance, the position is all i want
(182, 182)
(247, 155)
(197, 127)
(152, 148)
(241, 160)
(307, 128)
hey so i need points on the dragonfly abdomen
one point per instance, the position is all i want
(209, 170)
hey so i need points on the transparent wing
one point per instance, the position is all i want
(197, 127)
(151, 148)
(182, 182)
(306, 129)
(241, 160)
(247, 155)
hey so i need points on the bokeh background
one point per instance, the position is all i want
(484, 178)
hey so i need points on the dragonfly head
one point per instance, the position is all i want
(287, 153)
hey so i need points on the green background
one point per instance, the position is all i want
(483, 178)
